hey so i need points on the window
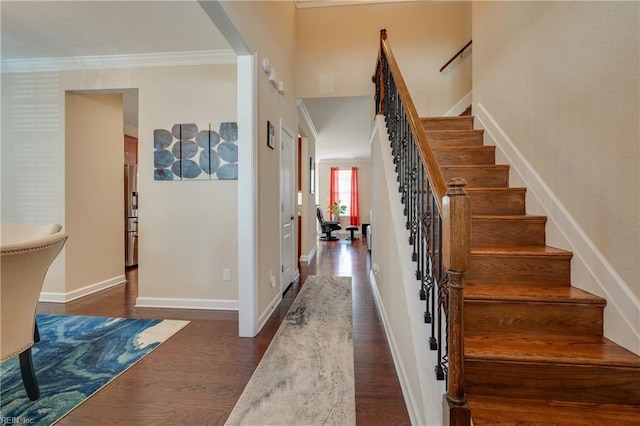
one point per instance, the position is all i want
(344, 189)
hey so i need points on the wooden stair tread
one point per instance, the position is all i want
(507, 230)
(479, 175)
(495, 190)
(520, 251)
(454, 132)
(465, 148)
(553, 349)
(494, 410)
(475, 166)
(502, 217)
(530, 293)
(447, 123)
(497, 200)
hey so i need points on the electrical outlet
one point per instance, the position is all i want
(226, 274)
(272, 279)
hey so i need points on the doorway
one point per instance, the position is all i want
(130, 129)
(95, 126)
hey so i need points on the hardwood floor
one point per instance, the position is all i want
(197, 376)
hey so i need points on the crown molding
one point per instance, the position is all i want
(304, 112)
(171, 59)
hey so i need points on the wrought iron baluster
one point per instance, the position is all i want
(442, 298)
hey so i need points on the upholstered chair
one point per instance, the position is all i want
(27, 252)
(327, 226)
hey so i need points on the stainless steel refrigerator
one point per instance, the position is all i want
(130, 215)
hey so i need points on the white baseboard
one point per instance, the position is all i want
(55, 297)
(590, 270)
(309, 257)
(179, 303)
(267, 312)
(461, 106)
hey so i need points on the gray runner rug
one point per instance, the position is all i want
(306, 375)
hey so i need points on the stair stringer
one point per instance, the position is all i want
(395, 289)
(590, 270)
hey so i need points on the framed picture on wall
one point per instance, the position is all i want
(312, 176)
(271, 135)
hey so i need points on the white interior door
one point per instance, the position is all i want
(287, 215)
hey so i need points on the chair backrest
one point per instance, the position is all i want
(26, 252)
(319, 215)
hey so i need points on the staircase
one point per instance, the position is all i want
(534, 347)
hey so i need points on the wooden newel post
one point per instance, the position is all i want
(456, 254)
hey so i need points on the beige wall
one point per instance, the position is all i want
(561, 79)
(337, 49)
(269, 29)
(94, 202)
(188, 230)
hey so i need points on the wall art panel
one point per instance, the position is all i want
(189, 152)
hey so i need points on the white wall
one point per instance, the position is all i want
(558, 84)
(396, 290)
(188, 230)
(32, 156)
(337, 49)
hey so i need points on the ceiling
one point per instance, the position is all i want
(36, 30)
(43, 29)
(343, 126)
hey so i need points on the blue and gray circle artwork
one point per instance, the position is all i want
(162, 174)
(209, 161)
(184, 152)
(229, 131)
(188, 169)
(162, 138)
(185, 149)
(184, 131)
(228, 152)
(207, 139)
(163, 158)
(228, 172)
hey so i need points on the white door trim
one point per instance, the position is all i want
(288, 214)
(247, 196)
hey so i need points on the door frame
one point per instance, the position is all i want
(291, 212)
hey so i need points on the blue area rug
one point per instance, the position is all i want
(77, 356)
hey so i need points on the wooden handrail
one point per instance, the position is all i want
(435, 176)
(456, 55)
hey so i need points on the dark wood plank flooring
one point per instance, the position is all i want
(197, 376)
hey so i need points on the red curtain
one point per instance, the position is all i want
(334, 190)
(355, 205)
